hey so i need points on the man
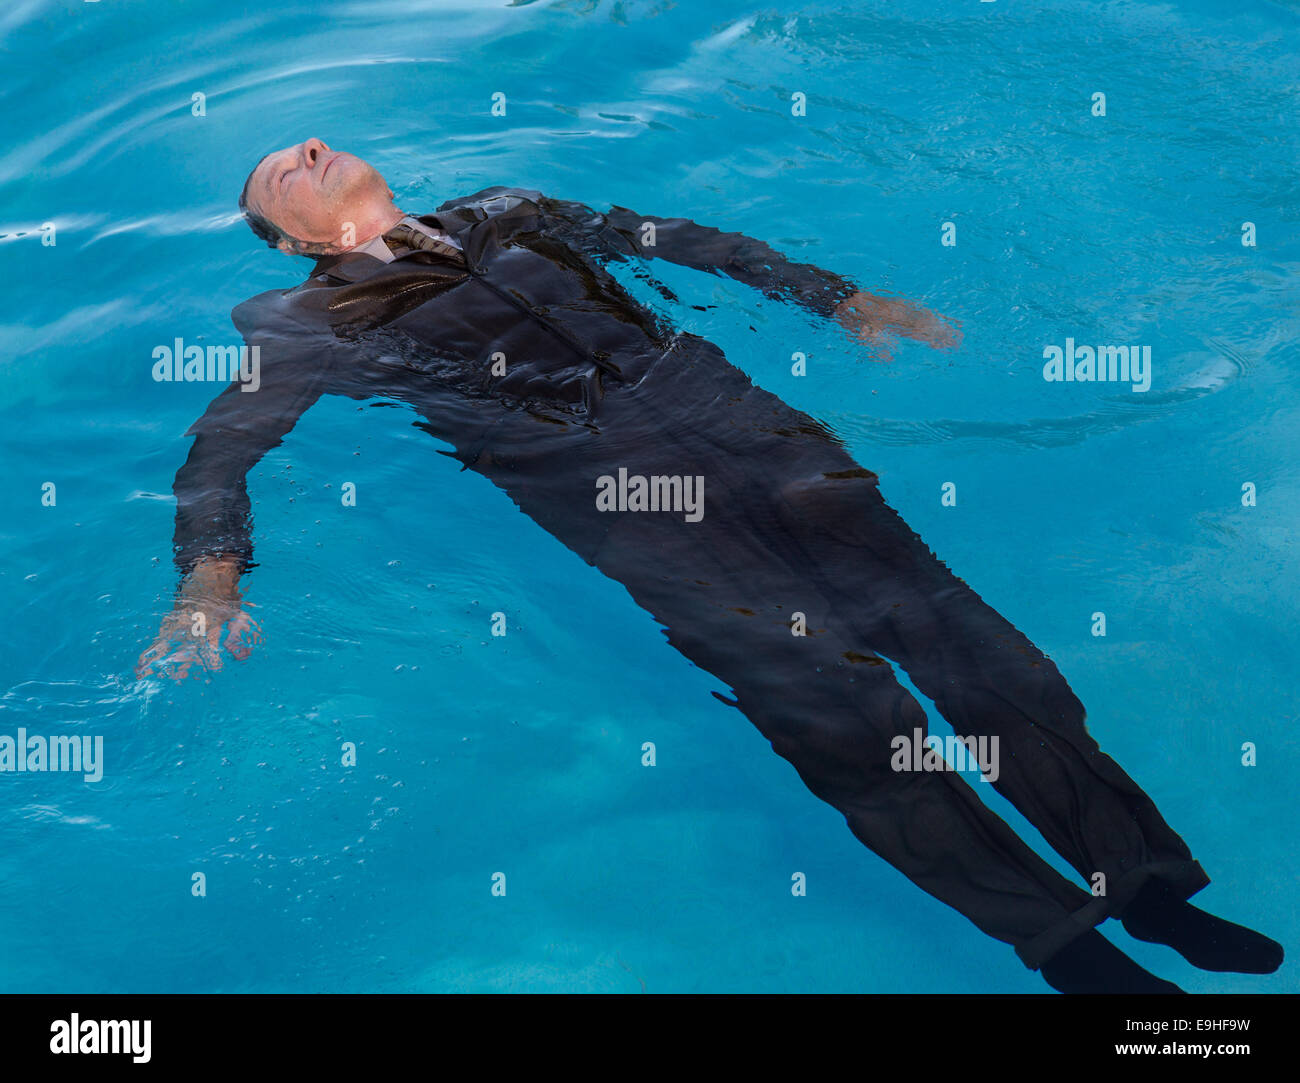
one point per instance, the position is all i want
(497, 320)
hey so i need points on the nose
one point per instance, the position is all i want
(313, 149)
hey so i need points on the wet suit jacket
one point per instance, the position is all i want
(593, 382)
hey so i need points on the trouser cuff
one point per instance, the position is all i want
(1183, 878)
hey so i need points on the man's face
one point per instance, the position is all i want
(313, 193)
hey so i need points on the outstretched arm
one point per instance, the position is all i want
(212, 539)
(869, 316)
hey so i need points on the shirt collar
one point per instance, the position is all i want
(374, 247)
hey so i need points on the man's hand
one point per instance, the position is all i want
(208, 600)
(872, 319)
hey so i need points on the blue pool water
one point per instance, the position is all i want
(522, 754)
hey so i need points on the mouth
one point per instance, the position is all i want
(329, 164)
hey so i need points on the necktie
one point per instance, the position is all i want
(413, 238)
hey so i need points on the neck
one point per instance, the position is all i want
(378, 225)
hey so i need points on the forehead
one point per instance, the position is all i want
(259, 187)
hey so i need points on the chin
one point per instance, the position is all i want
(358, 179)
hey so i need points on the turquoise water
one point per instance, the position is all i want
(522, 754)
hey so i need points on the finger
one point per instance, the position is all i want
(941, 336)
(211, 656)
(176, 665)
(944, 336)
(236, 643)
(878, 344)
(244, 634)
(149, 658)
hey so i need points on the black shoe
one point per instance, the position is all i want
(1160, 917)
(1092, 964)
